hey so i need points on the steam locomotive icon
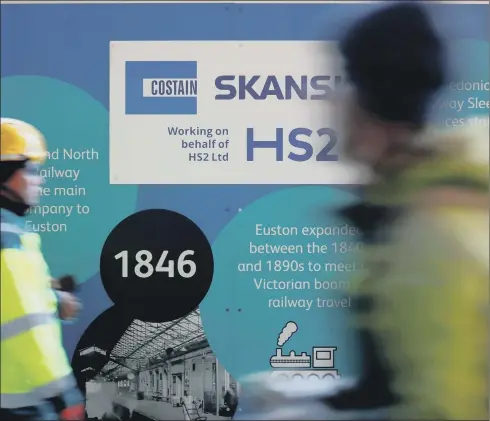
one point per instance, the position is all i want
(318, 366)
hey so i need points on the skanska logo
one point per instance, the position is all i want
(171, 87)
(283, 88)
(161, 87)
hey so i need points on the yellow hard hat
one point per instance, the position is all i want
(20, 141)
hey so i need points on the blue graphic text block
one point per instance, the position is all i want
(137, 72)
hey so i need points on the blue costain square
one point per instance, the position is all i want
(161, 87)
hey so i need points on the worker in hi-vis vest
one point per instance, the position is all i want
(37, 382)
(420, 303)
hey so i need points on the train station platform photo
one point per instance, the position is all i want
(154, 371)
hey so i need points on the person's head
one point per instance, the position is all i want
(23, 151)
(394, 62)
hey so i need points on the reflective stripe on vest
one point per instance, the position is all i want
(54, 388)
(24, 324)
(6, 227)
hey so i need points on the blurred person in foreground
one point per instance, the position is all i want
(37, 383)
(421, 308)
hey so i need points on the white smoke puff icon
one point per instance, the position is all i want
(287, 332)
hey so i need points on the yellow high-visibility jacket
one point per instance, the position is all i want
(34, 365)
(421, 305)
(426, 298)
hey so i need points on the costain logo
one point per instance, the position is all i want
(161, 87)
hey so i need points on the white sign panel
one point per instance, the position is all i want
(214, 112)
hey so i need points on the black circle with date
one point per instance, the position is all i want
(156, 298)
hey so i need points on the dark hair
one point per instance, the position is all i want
(395, 60)
(8, 168)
